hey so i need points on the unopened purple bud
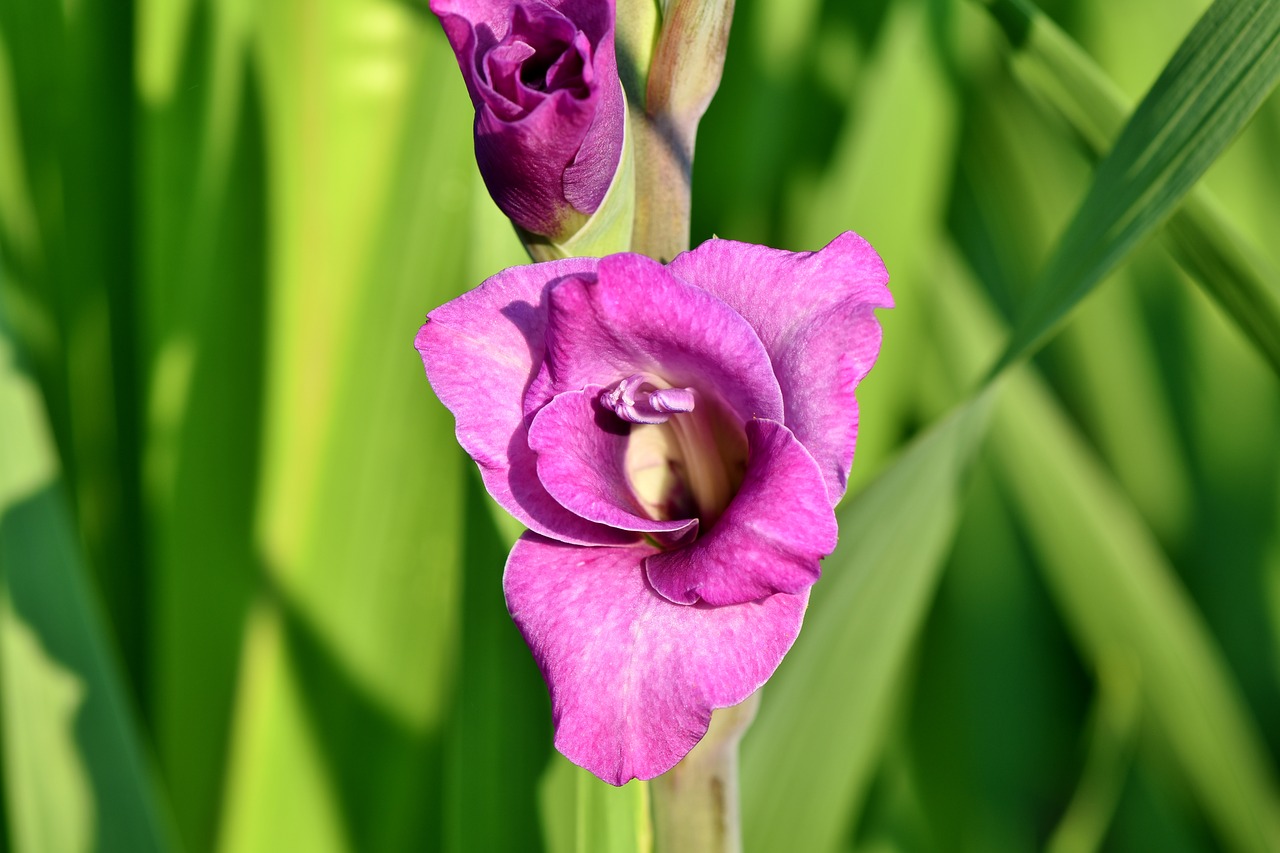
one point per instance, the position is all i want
(550, 116)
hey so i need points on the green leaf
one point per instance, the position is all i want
(499, 737)
(1113, 731)
(581, 814)
(1120, 596)
(1199, 235)
(809, 756)
(1119, 593)
(71, 272)
(350, 658)
(202, 346)
(76, 777)
(1207, 93)
(887, 179)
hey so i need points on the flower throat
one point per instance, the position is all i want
(684, 459)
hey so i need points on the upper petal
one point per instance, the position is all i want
(480, 352)
(634, 678)
(770, 539)
(813, 313)
(635, 317)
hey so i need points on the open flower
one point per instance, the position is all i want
(543, 77)
(675, 438)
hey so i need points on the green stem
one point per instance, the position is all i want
(695, 804)
(684, 73)
(664, 176)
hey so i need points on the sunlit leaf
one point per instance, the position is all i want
(808, 758)
(350, 662)
(581, 814)
(76, 776)
(1210, 89)
(1198, 234)
(1123, 600)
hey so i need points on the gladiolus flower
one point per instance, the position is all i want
(543, 77)
(676, 439)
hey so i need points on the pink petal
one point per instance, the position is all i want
(581, 449)
(634, 678)
(813, 312)
(635, 317)
(769, 540)
(480, 352)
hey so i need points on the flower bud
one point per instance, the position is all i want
(550, 113)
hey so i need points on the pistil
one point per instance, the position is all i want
(638, 400)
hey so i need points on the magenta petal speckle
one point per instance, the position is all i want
(676, 438)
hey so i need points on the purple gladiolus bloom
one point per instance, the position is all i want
(549, 108)
(675, 438)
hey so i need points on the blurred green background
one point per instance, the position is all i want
(251, 588)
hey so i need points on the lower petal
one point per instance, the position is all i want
(581, 448)
(769, 540)
(480, 352)
(634, 678)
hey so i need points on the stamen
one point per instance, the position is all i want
(639, 401)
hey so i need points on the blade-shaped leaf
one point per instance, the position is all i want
(581, 814)
(1121, 597)
(202, 289)
(1047, 62)
(887, 179)
(1119, 593)
(351, 660)
(806, 762)
(1207, 93)
(499, 738)
(76, 776)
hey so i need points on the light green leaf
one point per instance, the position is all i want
(809, 756)
(1120, 596)
(887, 179)
(1210, 89)
(201, 352)
(581, 814)
(1199, 235)
(350, 660)
(76, 777)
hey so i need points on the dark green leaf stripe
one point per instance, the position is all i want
(75, 774)
(1203, 241)
(1207, 93)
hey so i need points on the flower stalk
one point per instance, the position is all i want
(683, 77)
(696, 803)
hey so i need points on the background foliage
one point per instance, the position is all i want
(249, 587)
